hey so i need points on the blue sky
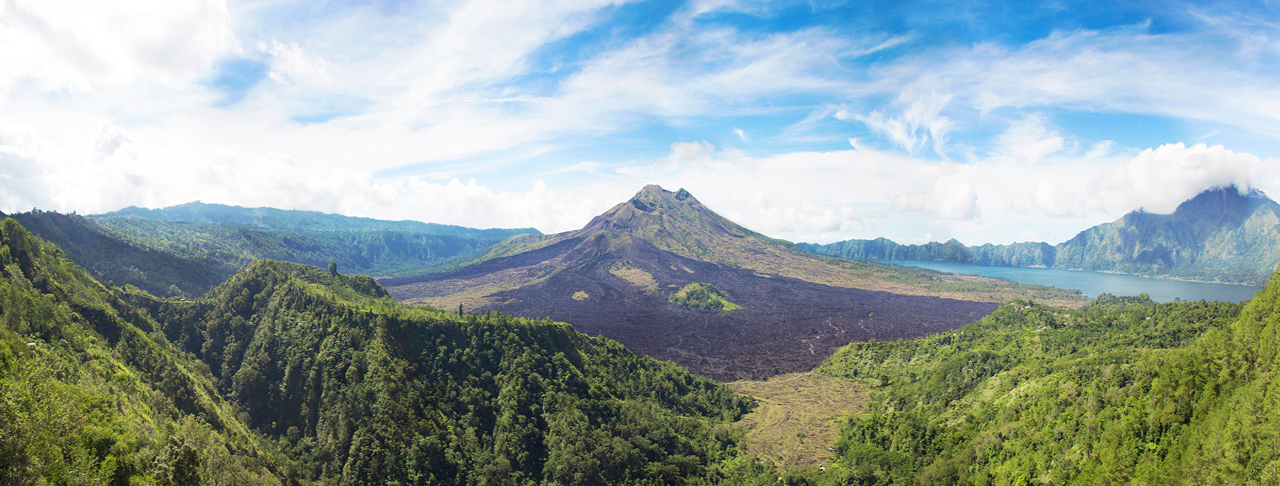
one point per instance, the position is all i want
(811, 121)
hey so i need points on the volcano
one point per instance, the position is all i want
(614, 277)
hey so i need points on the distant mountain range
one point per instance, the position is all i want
(1220, 235)
(615, 276)
(299, 221)
(183, 251)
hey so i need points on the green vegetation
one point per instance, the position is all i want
(91, 394)
(292, 374)
(1122, 391)
(702, 296)
(110, 256)
(357, 387)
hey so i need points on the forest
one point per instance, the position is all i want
(1124, 391)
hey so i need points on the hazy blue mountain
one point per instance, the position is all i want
(370, 252)
(294, 220)
(1221, 235)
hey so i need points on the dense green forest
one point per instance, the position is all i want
(1121, 392)
(91, 393)
(290, 374)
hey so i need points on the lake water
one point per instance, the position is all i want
(1094, 283)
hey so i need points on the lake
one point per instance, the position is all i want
(1094, 283)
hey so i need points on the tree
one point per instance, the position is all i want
(333, 268)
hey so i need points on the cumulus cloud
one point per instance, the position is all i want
(290, 64)
(1159, 179)
(691, 153)
(952, 196)
(1028, 140)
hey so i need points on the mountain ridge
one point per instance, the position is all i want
(299, 220)
(1220, 235)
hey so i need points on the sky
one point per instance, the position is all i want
(812, 121)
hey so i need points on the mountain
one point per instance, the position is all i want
(1221, 235)
(173, 257)
(616, 277)
(288, 374)
(374, 252)
(300, 221)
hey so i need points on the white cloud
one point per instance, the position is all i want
(290, 64)
(919, 123)
(1196, 74)
(952, 196)
(1161, 178)
(1028, 140)
(691, 153)
(73, 46)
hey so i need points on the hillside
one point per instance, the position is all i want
(112, 256)
(90, 394)
(1221, 235)
(615, 277)
(1122, 392)
(302, 221)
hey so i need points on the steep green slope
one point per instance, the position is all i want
(88, 395)
(1124, 392)
(375, 252)
(1221, 235)
(112, 256)
(359, 389)
(303, 221)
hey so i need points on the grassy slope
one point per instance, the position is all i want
(798, 417)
